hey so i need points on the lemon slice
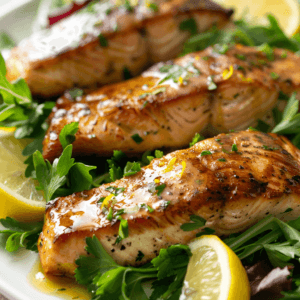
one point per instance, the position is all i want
(214, 272)
(287, 12)
(18, 197)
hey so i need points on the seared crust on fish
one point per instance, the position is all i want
(95, 45)
(172, 101)
(232, 188)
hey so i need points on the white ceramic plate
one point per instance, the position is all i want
(16, 17)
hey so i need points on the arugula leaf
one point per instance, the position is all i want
(20, 235)
(290, 122)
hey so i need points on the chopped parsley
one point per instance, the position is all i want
(234, 148)
(240, 56)
(222, 159)
(153, 6)
(274, 75)
(160, 188)
(137, 138)
(109, 216)
(140, 256)
(102, 40)
(206, 152)
(189, 25)
(115, 190)
(75, 92)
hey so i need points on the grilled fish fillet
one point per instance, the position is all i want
(231, 190)
(94, 45)
(170, 102)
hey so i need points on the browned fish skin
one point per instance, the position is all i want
(110, 116)
(261, 178)
(73, 53)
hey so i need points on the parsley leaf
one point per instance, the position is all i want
(136, 137)
(18, 109)
(132, 168)
(205, 152)
(197, 138)
(51, 177)
(160, 188)
(198, 222)
(189, 25)
(104, 277)
(67, 134)
(20, 235)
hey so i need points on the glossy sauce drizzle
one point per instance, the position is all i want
(61, 287)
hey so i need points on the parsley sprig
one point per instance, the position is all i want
(106, 279)
(64, 176)
(17, 109)
(20, 235)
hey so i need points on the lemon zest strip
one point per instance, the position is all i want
(106, 200)
(227, 73)
(170, 166)
(183, 163)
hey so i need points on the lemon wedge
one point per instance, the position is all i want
(214, 272)
(287, 12)
(18, 197)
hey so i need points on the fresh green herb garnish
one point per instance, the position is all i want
(160, 188)
(106, 279)
(132, 168)
(140, 256)
(153, 6)
(206, 152)
(75, 92)
(67, 134)
(222, 159)
(109, 216)
(240, 56)
(157, 153)
(197, 138)
(64, 171)
(234, 148)
(136, 137)
(115, 190)
(197, 222)
(123, 228)
(20, 235)
(274, 75)
(189, 25)
(102, 40)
